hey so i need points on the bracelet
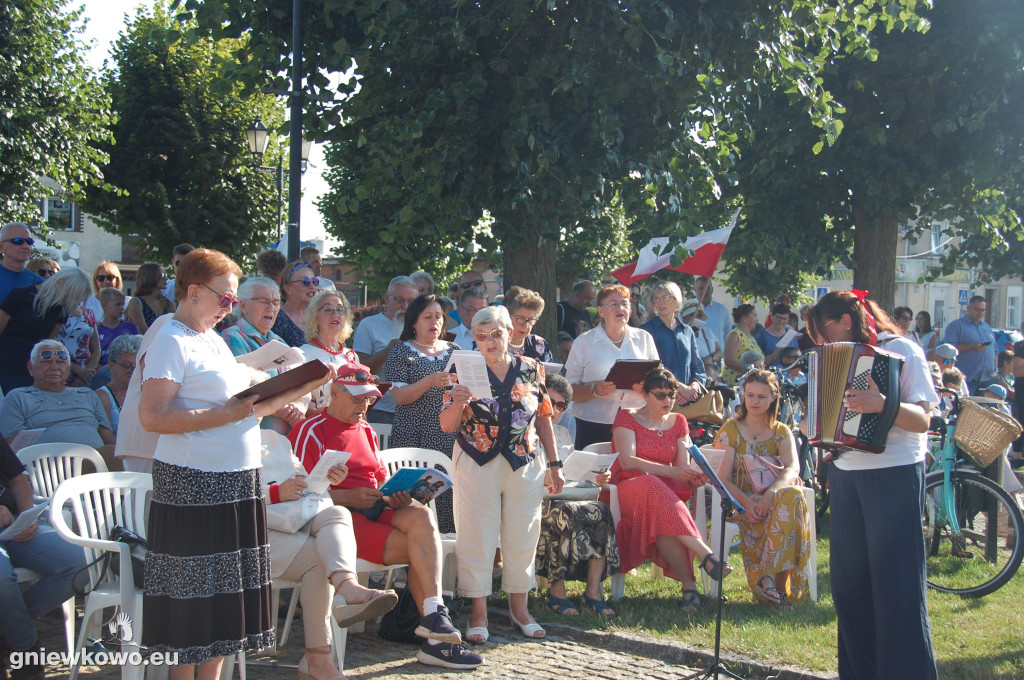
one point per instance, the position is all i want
(554, 464)
(593, 388)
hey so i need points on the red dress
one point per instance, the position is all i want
(651, 506)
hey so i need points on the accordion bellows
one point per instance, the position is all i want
(837, 367)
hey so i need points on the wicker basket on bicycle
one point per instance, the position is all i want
(984, 433)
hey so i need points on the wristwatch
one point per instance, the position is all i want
(554, 464)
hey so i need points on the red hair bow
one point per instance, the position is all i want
(862, 296)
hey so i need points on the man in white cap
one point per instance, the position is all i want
(391, 530)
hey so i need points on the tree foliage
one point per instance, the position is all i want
(179, 162)
(52, 107)
(931, 131)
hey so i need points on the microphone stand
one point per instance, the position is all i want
(729, 505)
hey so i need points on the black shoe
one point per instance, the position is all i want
(438, 626)
(448, 656)
(27, 671)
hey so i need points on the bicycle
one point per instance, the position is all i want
(972, 526)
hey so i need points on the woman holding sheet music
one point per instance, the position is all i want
(206, 473)
(596, 400)
(654, 481)
(498, 474)
(328, 325)
(875, 502)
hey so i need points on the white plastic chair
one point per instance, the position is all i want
(732, 530)
(99, 502)
(618, 580)
(383, 431)
(48, 465)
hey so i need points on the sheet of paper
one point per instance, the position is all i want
(472, 372)
(585, 466)
(788, 339)
(316, 481)
(273, 355)
(24, 521)
(26, 438)
(551, 368)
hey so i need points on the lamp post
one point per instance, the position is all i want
(258, 137)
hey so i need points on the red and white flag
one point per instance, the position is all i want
(705, 252)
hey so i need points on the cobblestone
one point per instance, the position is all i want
(565, 654)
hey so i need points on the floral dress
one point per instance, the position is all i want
(76, 333)
(746, 342)
(417, 424)
(782, 541)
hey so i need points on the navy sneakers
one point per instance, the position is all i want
(438, 626)
(448, 656)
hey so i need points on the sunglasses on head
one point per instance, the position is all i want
(49, 354)
(103, 278)
(472, 284)
(20, 241)
(226, 301)
(361, 377)
(307, 282)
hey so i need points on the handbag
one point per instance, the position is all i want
(112, 561)
(762, 471)
(290, 516)
(708, 409)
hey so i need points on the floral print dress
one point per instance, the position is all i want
(782, 541)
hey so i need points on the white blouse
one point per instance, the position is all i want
(590, 359)
(208, 375)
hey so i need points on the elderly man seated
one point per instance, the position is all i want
(392, 530)
(65, 414)
(40, 548)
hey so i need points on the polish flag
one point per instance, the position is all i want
(705, 252)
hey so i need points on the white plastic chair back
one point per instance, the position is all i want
(383, 431)
(48, 465)
(599, 447)
(412, 457)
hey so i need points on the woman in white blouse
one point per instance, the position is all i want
(596, 400)
(328, 325)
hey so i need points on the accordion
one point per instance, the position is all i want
(836, 367)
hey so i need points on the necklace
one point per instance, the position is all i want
(515, 346)
(763, 430)
(660, 427)
(340, 350)
(430, 348)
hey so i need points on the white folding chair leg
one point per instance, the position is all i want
(731, 532)
(339, 639)
(618, 586)
(811, 572)
(290, 616)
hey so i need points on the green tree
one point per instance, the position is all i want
(179, 161)
(932, 130)
(52, 107)
(543, 113)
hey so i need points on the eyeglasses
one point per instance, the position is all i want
(478, 283)
(331, 311)
(525, 320)
(49, 354)
(662, 396)
(658, 299)
(20, 241)
(307, 282)
(267, 302)
(126, 366)
(496, 334)
(46, 273)
(560, 405)
(226, 301)
(622, 304)
(402, 300)
(368, 398)
(104, 278)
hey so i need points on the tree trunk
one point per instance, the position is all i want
(874, 254)
(529, 262)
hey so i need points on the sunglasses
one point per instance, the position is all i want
(360, 376)
(525, 320)
(49, 354)
(496, 334)
(662, 396)
(226, 301)
(104, 278)
(560, 405)
(47, 273)
(20, 241)
(472, 284)
(331, 311)
(308, 282)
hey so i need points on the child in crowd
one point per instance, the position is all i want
(111, 326)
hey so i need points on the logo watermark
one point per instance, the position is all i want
(120, 628)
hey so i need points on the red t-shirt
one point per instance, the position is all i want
(314, 435)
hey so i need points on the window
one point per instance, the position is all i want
(1013, 295)
(61, 215)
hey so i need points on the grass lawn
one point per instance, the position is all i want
(978, 639)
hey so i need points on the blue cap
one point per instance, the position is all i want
(997, 390)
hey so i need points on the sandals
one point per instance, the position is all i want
(562, 605)
(534, 631)
(598, 606)
(378, 603)
(480, 632)
(766, 593)
(714, 567)
(691, 601)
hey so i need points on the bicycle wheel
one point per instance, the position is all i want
(987, 551)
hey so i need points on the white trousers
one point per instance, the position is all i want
(494, 502)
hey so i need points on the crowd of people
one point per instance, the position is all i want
(150, 382)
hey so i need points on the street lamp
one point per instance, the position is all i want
(258, 136)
